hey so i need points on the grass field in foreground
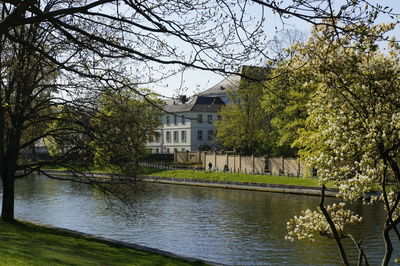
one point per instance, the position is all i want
(237, 177)
(28, 244)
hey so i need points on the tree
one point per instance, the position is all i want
(32, 110)
(151, 31)
(121, 134)
(25, 102)
(352, 132)
(286, 96)
(244, 124)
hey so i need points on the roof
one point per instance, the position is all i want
(195, 104)
(230, 83)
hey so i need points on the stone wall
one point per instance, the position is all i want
(243, 164)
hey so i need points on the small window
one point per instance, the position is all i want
(209, 119)
(168, 136)
(157, 151)
(200, 118)
(175, 120)
(210, 135)
(168, 150)
(168, 122)
(199, 135)
(176, 136)
(183, 119)
(183, 136)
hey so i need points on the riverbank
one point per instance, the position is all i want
(24, 243)
(293, 185)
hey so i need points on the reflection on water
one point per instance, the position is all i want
(228, 226)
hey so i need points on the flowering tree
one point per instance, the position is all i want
(352, 133)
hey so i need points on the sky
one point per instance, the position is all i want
(194, 81)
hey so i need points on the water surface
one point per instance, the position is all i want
(227, 226)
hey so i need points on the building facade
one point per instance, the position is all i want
(187, 126)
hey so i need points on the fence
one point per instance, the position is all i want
(253, 164)
(189, 156)
(243, 164)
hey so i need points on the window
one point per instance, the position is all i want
(209, 119)
(158, 137)
(167, 150)
(168, 136)
(183, 136)
(199, 135)
(175, 120)
(183, 119)
(157, 151)
(210, 135)
(176, 136)
(200, 118)
(168, 122)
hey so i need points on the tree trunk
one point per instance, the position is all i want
(388, 244)
(7, 210)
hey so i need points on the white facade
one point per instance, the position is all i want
(188, 126)
(185, 132)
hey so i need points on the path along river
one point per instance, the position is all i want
(232, 227)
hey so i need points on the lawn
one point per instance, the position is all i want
(236, 177)
(220, 176)
(28, 244)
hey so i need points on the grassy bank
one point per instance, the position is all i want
(236, 177)
(28, 244)
(220, 176)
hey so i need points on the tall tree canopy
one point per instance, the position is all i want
(286, 97)
(243, 125)
(124, 125)
(352, 133)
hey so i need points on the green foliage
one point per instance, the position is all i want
(70, 133)
(352, 132)
(285, 100)
(124, 124)
(243, 125)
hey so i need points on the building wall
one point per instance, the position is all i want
(191, 126)
(245, 164)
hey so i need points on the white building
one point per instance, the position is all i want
(187, 126)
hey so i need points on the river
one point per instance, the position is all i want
(232, 227)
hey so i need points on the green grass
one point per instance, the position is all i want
(237, 177)
(28, 244)
(221, 176)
